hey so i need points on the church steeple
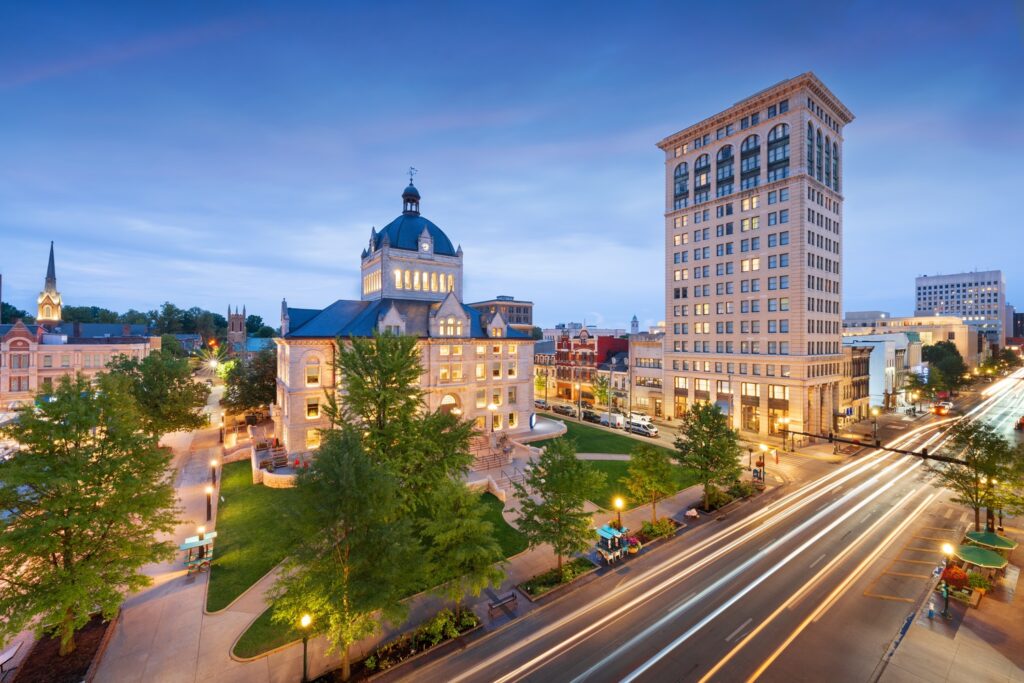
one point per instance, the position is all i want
(411, 197)
(49, 301)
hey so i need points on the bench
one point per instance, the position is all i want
(509, 600)
(5, 658)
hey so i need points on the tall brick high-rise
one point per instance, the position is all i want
(753, 253)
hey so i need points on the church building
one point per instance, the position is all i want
(474, 363)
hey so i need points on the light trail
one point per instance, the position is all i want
(718, 584)
(798, 595)
(839, 590)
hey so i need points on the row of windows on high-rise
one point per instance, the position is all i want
(826, 166)
(725, 168)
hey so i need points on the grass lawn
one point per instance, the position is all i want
(249, 538)
(263, 635)
(616, 473)
(593, 440)
(512, 540)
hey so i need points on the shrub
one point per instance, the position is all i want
(370, 663)
(955, 577)
(741, 489)
(976, 580)
(663, 527)
(717, 498)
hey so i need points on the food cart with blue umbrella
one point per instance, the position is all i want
(199, 551)
(614, 544)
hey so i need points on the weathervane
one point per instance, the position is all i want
(412, 172)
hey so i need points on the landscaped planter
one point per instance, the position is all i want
(436, 651)
(43, 665)
(647, 541)
(536, 594)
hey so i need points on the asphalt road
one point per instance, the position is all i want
(762, 592)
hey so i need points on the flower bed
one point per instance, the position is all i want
(44, 665)
(443, 627)
(551, 579)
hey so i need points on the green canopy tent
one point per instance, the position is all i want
(991, 540)
(980, 557)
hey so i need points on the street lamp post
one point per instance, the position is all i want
(784, 421)
(213, 471)
(874, 424)
(579, 400)
(209, 503)
(764, 462)
(619, 504)
(304, 623)
(750, 458)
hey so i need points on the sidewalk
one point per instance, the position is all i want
(983, 644)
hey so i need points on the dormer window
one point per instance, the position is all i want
(496, 332)
(451, 327)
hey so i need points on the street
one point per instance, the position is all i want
(736, 600)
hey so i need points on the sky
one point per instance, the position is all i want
(216, 154)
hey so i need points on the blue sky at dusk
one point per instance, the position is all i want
(216, 153)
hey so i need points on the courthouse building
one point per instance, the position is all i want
(753, 255)
(475, 364)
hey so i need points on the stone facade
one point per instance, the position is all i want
(647, 373)
(969, 341)
(753, 253)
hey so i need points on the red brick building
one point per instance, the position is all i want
(576, 361)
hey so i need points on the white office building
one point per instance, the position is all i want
(979, 298)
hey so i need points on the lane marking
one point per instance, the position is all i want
(815, 563)
(738, 629)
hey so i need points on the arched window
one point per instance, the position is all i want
(701, 179)
(828, 161)
(451, 283)
(703, 161)
(778, 152)
(724, 172)
(398, 278)
(835, 166)
(47, 311)
(433, 282)
(681, 177)
(408, 278)
(750, 162)
(817, 158)
(778, 132)
(312, 372)
(416, 280)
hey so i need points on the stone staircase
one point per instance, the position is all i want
(485, 457)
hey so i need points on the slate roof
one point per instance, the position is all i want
(404, 233)
(91, 330)
(545, 347)
(345, 318)
(6, 327)
(255, 344)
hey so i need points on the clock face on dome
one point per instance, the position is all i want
(425, 246)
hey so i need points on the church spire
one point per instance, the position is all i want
(411, 197)
(51, 274)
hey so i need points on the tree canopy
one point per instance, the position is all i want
(9, 313)
(651, 476)
(707, 445)
(552, 498)
(251, 384)
(945, 356)
(83, 503)
(168, 398)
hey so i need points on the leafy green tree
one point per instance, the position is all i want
(253, 323)
(133, 317)
(162, 385)
(708, 446)
(460, 543)
(536, 333)
(982, 456)
(562, 483)
(945, 356)
(170, 344)
(383, 403)
(265, 332)
(650, 477)
(353, 547)
(540, 384)
(251, 384)
(83, 503)
(169, 319)
(9, 313)
(600, 386)
(88, 314)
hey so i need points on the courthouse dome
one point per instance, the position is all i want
(404, 232)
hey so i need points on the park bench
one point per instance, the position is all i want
(509, 600)
(5, 658)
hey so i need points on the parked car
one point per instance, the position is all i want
(565, 409)
(642, 428)
(613, 420)
(591, 416)
(639, 418)
(587, 405)
(541, 404)
(1020, 424)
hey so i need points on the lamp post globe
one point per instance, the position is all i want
(619, 504)
(304, 623)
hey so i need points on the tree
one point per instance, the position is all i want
(253, 323)
(562, 483)
(168, 319)
(9, 313)
(265, 332)
(83, 503)
(540, 383)
(162, 385)
(536, 333)
(982, 457)
(651, 476)
(707, 445)
(133, 317)
(251, 384)
(88, 314)
(382, 402)
(460, 544)
(170, 344)
(945, 356)
(353, 547)
(600, 387)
